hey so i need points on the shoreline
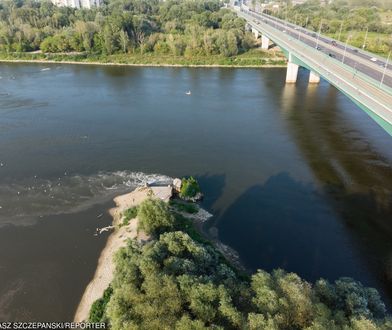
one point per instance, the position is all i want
(146, 65)
(104, 272)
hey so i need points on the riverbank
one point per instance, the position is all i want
(181, 281)
(252, 59)
(105, 269)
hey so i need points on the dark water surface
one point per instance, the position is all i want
(297, 176)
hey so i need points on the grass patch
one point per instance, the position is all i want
(377, 43)
(184, 207)
(253, 57)
(129, 214)
(186, 225)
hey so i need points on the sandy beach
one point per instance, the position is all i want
(105, 269)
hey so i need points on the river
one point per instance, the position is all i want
(296, 176)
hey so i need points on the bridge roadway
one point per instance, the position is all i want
(354, 57)
(360, 87)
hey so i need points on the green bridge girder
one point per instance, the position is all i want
(294, 59)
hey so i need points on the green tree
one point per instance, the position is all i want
(189, 187)
(155, 217)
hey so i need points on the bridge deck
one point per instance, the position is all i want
(363, 89)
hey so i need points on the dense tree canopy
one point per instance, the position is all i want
(155, 217)
(344, 19)
(179, 282)
(353, 17)
(176, 27)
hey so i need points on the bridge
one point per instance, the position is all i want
(363, 77)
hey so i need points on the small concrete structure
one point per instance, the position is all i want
(177, 183)
(77, 3)
(264, 42)
(255, 32)
(314, 78)
(163, 193)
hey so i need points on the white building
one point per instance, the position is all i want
(77, 3)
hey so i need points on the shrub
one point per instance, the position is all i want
(98, 308)
(176, 282)
(189, 188)
(184, 207)
(155, 217)
(129, 214)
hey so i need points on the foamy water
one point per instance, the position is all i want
(24, 201)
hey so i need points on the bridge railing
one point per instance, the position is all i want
(363, 51)
(355, 72)
(342, 84)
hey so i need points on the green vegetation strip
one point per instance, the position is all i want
(253, 58)
(181, 206)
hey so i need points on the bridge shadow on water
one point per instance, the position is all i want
(340, 226)
(212, 186)
(316, 233)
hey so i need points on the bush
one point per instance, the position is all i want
(129, 214)
(184, 207)
(155, 217)
(176, 282)
(98, 308)
(189, 188)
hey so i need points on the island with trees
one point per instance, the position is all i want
(175, 278)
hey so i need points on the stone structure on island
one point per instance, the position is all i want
(77, 3)
(177, 184)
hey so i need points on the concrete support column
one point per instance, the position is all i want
(264, 42)
(292, 72)
(314, 78)
(255, 32)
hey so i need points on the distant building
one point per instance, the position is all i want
(77, 3)
(297, 2)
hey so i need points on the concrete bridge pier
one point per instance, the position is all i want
(314, 78)
(264, 42)
(255, 32)
(292, 73)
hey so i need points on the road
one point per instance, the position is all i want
(358, 60)
(362, 90)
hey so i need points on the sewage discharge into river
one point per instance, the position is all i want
(296, 177)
